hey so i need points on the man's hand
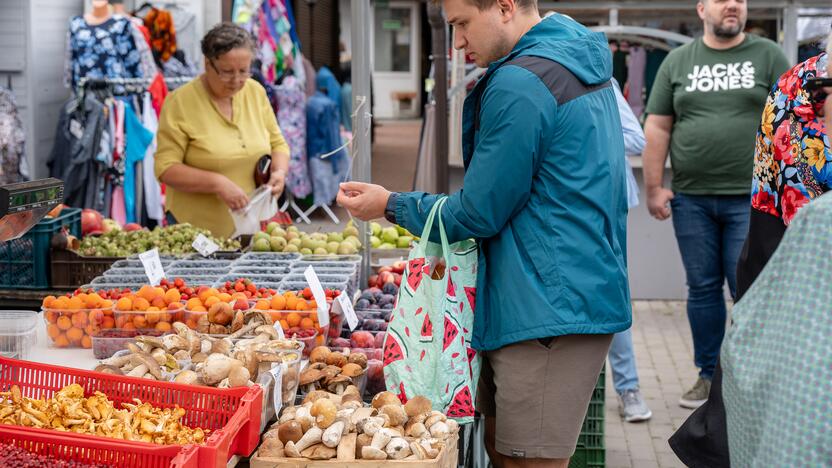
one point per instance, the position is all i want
(364, 201)
(658, 200)
(277, 181)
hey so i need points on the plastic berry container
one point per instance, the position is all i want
(112, 340)
(74, 328)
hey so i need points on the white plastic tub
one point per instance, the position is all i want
(18, 333)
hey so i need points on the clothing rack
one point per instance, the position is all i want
(131, 81)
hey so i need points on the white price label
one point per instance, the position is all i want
(277, 392)
(279, 329)
(318, 293)
(152, 266)
(204, 245)
(344, 303)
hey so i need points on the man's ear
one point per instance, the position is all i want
(508, 8)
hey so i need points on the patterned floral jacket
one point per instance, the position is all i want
(793, 160)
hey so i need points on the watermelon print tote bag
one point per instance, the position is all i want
(427, 350)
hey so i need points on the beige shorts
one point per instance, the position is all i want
(540, 393)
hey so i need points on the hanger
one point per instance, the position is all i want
(142, 7)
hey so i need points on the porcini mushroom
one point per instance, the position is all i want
(336, 359)
(397, 448)
(312, 437)
(290, 431)
(358, 358)
(319, 354)
(338, 383)
(332, 435)
(309, 379)
(396, 414)
(239, 377)
(187, 377)
(385, 398)
(417, 405)
(323, 411)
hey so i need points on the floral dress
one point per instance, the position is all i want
(106, 50)
(291, 117)
(792, 157)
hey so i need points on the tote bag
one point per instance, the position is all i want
(427, 350)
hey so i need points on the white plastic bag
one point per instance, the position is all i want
(262, 206)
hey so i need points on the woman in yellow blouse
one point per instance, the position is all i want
(213, 130)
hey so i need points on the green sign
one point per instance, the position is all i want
(391, 25)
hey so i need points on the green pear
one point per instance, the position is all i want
(290, 235)
(354, 241)
(346, 248)
(297, 243)
(259, 235)
(334, 237)
(279, 232)
(402, 231)
(261, 245)
(389, 235)
(292, 229)
(375, 228)
(332, 247)
(271, 227)
(306, 251)
(278, 243)
(386, 246)
(351, 231)
(403, 242)
(307, 243)
(320, 251)
(291, 248)
(375, 242)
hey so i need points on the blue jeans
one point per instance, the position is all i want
(623, 362)
(710, 231)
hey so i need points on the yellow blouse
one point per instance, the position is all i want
(192, 131)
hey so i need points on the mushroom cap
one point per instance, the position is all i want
(417, 405)
(267, 330)
(331, 371)
(385, 398)
(352, 390)
(336, 359)
(310, 376)
(258, 315)
(153, 367)
(108, 369)
(317, 365)
(352, 370)
(319, 354)
(187, 377)
(291, 430)
(358, 358)
(238, 321)
(333, 383)
(151, 341)
(314, 395)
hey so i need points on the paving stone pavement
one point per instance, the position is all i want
(663, 348)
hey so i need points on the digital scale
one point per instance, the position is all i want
(23, 204)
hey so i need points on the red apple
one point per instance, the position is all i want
(399, 266)
(362, 339)
(91, 220)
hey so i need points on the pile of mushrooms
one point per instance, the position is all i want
(332, 370)
(190, 357)
(329, 426)
(222, 320)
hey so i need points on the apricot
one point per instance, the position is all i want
(96, 316)
(139, 321)
(61, 303)
(291, 303)
(293, 319)
(152, 317)
(193, 302)
(92, 301)
(208, 302)
(225, 297)
(64, 322)
(76, 303)
(163, 326)
(206, 293)
(86, 342)
(262, 305)
(147, 292)
(302, 305)
(172, 296)
(48, 302)
(307, 323)
(125, 303)
(128, 326)
(79, 319)
(159, 303)
(141, 304)
(108, 322)
(278, 303)
(51, 316)
(60, 341)
(53, 331)
(106, 304)
(74, 335)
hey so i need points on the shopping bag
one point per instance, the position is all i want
(261, 206)
(427, 350)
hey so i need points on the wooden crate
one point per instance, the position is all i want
(448, 458)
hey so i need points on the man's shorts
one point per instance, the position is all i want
(539, 391)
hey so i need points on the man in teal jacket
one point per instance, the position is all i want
(545, 196)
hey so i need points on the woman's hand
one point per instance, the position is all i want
(231, 194)
(277, 181)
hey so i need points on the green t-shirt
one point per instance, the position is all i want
(716, 98)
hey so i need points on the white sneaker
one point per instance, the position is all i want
(632, 408)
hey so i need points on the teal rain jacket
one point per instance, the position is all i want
(544, 192)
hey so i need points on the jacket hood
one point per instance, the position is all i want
(561, 39)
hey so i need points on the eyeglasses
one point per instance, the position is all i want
(229, 76)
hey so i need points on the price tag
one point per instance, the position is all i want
(152, 266)
(318, 293)
(204, 245)
(343, 302)
(279, 329)
(277, 392)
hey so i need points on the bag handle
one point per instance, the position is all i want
(436, 209)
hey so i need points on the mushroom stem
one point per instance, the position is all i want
(312, 437)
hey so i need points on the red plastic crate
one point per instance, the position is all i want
(233, 415)
(89, 449)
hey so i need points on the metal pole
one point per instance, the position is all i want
(790, 32)
(361, 101)
(439, 50)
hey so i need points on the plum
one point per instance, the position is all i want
(379, 340)
(362, 339)
(390, 288)
(374, 324)
(386, 299)
(366, 296)
(362, 304)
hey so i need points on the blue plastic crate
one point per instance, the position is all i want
(24, 262)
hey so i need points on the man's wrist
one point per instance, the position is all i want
(390, 208)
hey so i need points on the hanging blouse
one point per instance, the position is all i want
(106, 50)
(162, 33)
(291, 117)
(12, 138)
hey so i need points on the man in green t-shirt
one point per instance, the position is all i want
(705, 108)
